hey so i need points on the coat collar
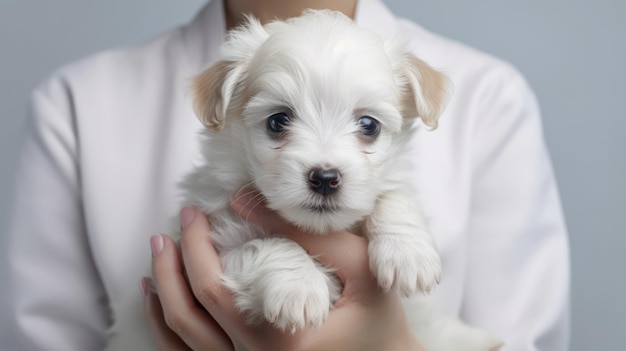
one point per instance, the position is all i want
(204, 35)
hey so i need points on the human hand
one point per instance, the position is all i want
(201, 315)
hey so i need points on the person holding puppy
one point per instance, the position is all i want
(110, 137)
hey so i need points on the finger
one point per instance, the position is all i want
(181, 313)
(165, 338)
(341, 250)
(204, 269)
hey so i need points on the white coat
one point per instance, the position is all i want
(109, 138)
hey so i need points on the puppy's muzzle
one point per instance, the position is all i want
(324, 181)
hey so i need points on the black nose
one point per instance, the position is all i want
(324, 181)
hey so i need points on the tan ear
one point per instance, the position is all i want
(210, 101)
(426, 92)
(215, 89)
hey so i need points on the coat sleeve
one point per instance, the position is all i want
(518, 267)
(51, 297)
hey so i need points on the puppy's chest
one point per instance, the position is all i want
(229, 231)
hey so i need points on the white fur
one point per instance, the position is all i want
(325, 73)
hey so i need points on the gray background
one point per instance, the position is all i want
(572, 52)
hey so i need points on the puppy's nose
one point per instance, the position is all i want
(324, 181)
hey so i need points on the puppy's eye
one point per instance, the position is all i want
(277, 123)
(369, 126)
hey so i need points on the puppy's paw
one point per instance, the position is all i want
(297, 302)
(411, 266)
(275, 280)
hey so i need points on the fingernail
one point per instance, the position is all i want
(187, 215)
(144, 286)
(156, 244)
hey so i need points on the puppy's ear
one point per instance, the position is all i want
(425, 91)
(212, 91)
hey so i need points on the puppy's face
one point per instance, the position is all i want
(322, 103)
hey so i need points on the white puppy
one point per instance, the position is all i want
(317, 113)
(314, 112)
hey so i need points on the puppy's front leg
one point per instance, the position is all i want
(401, 249)
(274, 279)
